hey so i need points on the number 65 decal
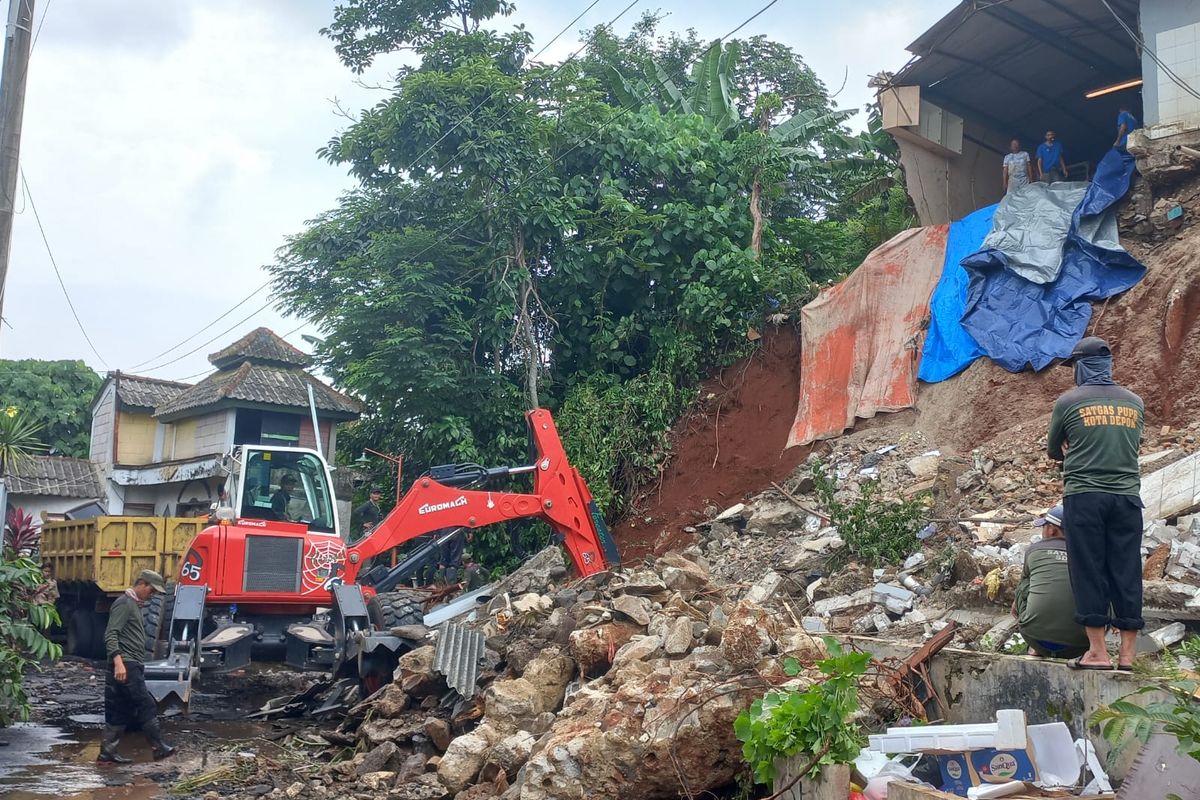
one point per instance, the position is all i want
(192, 565)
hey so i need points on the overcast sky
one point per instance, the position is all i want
(169, 147)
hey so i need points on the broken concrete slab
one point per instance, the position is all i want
(764, 588)
(1161, 639)
(1172, 490)
(896, 599)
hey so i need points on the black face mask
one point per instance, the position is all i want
(1093, 371)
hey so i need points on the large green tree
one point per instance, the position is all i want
(57, 395)
(564, 235)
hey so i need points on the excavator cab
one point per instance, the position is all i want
(284, 484)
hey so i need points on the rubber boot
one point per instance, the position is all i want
(159, 748)
(109, 740)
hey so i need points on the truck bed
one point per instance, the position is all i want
(109, 552)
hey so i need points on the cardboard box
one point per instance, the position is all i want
(961, 771)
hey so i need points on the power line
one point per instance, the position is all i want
(175, 347)
(57, 272)
(408, 169)
(206, 371)
(205, 344)
(621, 112)
(1170, 73)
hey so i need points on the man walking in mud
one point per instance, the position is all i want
(127, 701)
(1095, 431)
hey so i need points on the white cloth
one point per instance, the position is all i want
(1018, 169)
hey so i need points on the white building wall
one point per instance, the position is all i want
(37, 504)
(1171, 30)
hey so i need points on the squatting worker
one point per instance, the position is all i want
(1095, 431)
(1045, 608)
(1018, 171)
(127, 701)
(1052, 166)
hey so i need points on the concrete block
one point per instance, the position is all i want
(764, 588)
(1172, 489)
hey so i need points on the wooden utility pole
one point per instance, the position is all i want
(18, 37)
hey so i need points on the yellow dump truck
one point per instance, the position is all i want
(95, 560)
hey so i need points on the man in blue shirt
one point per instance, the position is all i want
(1051, 165)
(1126, 123)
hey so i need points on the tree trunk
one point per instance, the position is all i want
(764, 125)
(525, 320)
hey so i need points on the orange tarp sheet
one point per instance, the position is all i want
(859, 339)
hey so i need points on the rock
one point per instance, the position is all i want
(801, 645)
(462, 762)
(764, 588)
(532, 602)
(1163, 638)
(377, 781)
(512, 704)
(590, 647)
(377, 731)
(733, 512)
(747, 637)
(511, 753)
(998, 635)
(535, 575)
(640, 648)
(644, 582)
(774, 516)
(438, 731)
(679, 637)
(969, 480)
(606, 745)
(391, 702)
(377, 759)
(841, 604)
(925, 466)
(411, 768)
(682, 574)
(636, 608)
(484, 791)
(414, 633)
(295, 790)
(550, 673)
(717, 620)
(896, 599)
(415, 674)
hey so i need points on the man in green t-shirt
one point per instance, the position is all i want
(1045, 607)
(1095, 430)
(127, 701)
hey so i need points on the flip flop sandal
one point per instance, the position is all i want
(1124, 667)
(1075, 663)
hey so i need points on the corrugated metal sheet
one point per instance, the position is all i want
(459, 651)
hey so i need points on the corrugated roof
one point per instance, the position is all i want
(261, 383)
(142, 392)
(1023, 66)
(260, 345)
(55, 476)
(459, 650)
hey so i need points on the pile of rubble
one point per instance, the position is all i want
(635, 677)
(630, 678)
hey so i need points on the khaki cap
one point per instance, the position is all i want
(153, 578)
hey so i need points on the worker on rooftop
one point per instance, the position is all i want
(1095, 430)
(1127, 123)
(1017, 171)
(127, 701)
(1045, 607)
(1052, 167)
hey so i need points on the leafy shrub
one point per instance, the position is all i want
(877, 530)
(817, 721)
(1122, 722)
(22, 534)
(23, 624)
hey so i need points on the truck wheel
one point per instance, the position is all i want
(82, 635)
(388, 610)
(156, 617)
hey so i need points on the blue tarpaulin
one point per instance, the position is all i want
(949, 349)
(1017, 322)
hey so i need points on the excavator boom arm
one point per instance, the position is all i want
(560, 497)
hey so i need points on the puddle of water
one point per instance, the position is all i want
(41, 760)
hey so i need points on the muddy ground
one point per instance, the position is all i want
(54, 754)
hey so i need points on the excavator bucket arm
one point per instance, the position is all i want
(560, 497)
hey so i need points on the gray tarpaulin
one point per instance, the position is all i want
(1030, 226)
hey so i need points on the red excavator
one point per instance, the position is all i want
(275, 573)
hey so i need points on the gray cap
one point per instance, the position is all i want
(1052, 517)
(153, 578)
(1088, 346)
